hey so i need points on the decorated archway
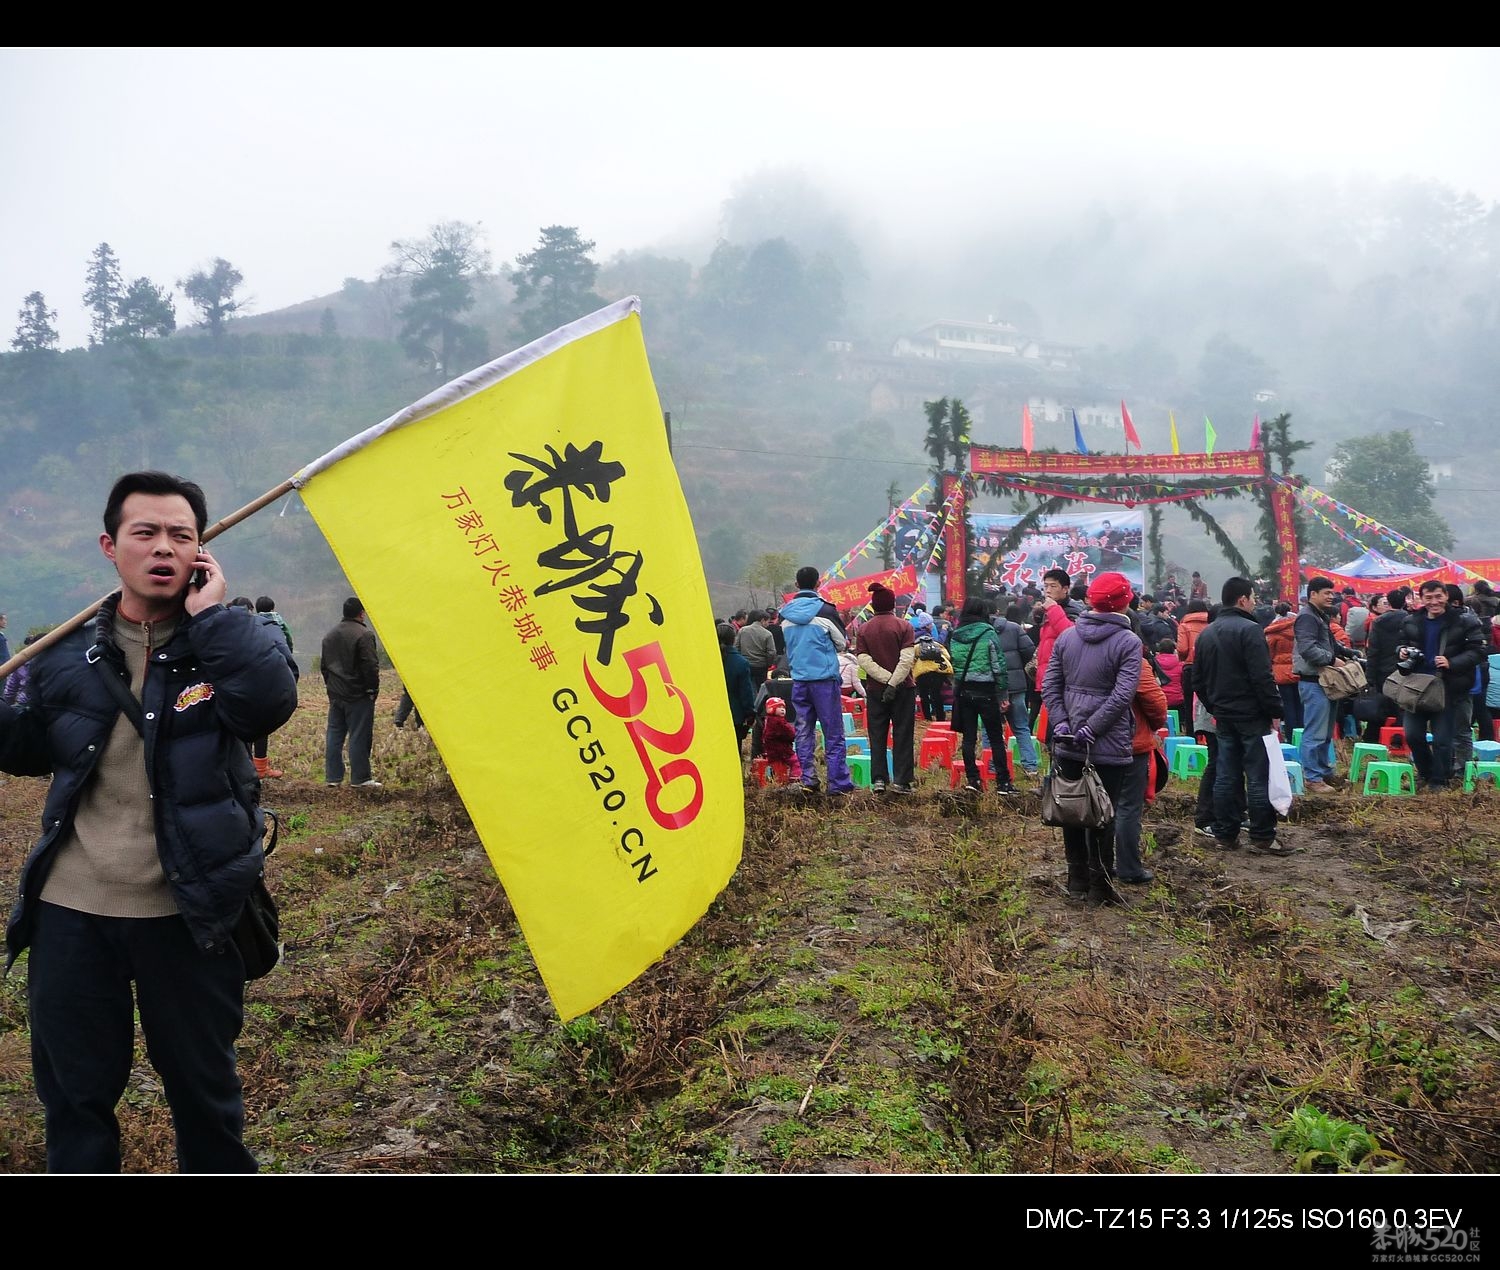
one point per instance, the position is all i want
(1121, 480)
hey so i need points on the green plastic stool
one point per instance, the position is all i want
(1366, 752)
(859, 769)
(1476, 771)
(1397, 780)
(1296, 736)
(1188, 761)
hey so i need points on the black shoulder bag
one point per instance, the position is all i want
(257, 932)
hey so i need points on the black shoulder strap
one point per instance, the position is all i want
(118, 689)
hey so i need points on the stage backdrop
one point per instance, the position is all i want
(1082, 543)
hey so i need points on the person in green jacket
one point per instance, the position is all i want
(980, 681)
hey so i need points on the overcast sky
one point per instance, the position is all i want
(301, 166)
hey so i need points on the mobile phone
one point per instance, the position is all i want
(196, 581)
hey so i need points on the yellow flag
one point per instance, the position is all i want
(522, 545)
(1172, 419)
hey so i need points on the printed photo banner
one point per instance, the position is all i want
(987, 459)
(533, 572)
(1081, 544)
(906, 520)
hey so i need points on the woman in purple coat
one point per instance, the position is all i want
(1091, 679)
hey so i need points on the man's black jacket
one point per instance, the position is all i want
(1232, 671)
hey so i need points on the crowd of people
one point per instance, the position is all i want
(1092, 671)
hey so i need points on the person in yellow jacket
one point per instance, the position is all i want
(932, 671)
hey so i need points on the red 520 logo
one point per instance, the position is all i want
(652, 691)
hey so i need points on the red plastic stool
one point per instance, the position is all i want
(961, 776)
(769, 773)
(1394, 739)
(937, 747)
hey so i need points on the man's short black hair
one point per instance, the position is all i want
(265, 604)
(807, 578)
(1234, 590)
(1319, 584)
(1060, 576)
(352, 608)
(1398, 596)
(726, 633)
(1433, 584)
(153, 482)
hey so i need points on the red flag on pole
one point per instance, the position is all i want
(1132, 437)
(1028, 432)
(1255, 433)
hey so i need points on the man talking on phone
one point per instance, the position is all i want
(151, 837)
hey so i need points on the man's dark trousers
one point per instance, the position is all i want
(356, 721)
(899, 719)
(191, 1007)
(1244, 766)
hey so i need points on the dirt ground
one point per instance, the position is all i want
(888, 985)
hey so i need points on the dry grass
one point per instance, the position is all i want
(885, 986)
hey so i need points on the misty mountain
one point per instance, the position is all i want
(1357, 308)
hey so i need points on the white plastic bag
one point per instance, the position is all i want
(1280, 780)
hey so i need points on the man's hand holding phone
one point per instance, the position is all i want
(206, 588)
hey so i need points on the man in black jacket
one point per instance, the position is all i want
(351, 672)
(1447, 641)
(151, 840)
(1234, 680)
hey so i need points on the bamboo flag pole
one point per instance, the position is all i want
(28, 651)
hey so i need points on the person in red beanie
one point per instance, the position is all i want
(1088, 691)
(887, 647)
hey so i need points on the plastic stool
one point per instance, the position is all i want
(1476, 771)
(856, 745)
(1294, 774)
(848, 723)
(1399, 780)
(1366, 752)
(1171, 744)
(859, 769)
(1487, 751)
(1296, 736)
(1188, 761)
(937, 748)
(1291, 753)
(961, 777)
(1394, 738)
(769, 773)
(1172, 721)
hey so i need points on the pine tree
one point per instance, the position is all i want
(35, 333)
(104, 289)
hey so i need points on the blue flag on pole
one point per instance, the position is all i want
(1078, 435)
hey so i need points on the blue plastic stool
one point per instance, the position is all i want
(1294, 774)
(1487, 751)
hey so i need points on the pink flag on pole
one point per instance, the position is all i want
(1255, 434)
(1132, 437)
(1028, 432)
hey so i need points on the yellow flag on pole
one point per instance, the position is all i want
(1172, 419)
(522, 545)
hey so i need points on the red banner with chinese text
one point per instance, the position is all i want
(955, 540)
(854, 593)
(987, 459)
(1282, 506)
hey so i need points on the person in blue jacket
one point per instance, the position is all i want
(814, 639)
